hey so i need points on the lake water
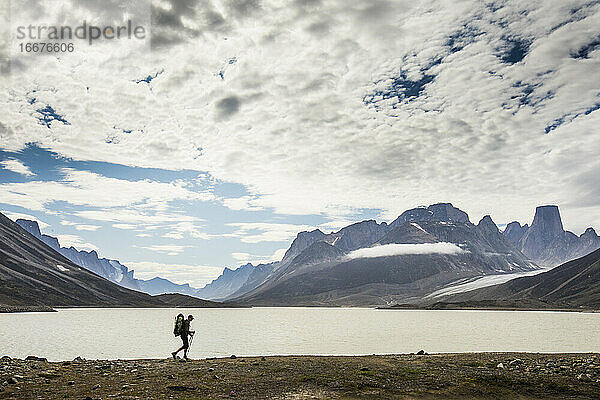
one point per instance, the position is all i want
(147, 333)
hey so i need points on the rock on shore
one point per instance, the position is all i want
(474, 375)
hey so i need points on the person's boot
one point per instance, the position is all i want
(174, 354)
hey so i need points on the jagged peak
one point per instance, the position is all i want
(228, 270)
(548, 218)
(367, 223)
(486, 220)
(435, 212)
(515, 223)
(589, 232)
(311, 233)
(30, 226)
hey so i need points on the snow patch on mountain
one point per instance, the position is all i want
(481, 282)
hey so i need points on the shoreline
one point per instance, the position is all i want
(455, 375)
(5, 309)
(449, 307)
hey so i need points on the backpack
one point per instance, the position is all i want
(178, 325)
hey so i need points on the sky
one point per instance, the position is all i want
(235, 124)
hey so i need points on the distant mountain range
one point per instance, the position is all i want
(424, 250)
(546, 242)
(334, 269)
(112, 270)
(320, 269)
(34, 274)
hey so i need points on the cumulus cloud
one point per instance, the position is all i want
(17, 167)
(228, 106)
(141, 204)
(91, 189)
(169, 249)
(75, 241)
(257, 232)
(15, 216)
(396, 104)
(394, 249)
(245, 258)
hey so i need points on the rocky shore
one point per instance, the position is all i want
(471, 375)
(16, 309)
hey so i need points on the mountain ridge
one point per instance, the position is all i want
(574, 284)
(320, 275)
(110, 269)
(546, 241)
(34, 276)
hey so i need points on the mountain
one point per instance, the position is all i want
(112, 270)
(356, 236)
(32, 273)
(443, 212)
(156, 286)
(258, 275)
(326, 270)
(575, 284)
(302, 241)
(35, 276)
(227, 283)
(514, 232)
(546, 242)
(181, 300)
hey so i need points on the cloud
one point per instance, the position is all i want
(15, 216)
(228, 106)
(91, 189)
(257, 232)
(394, 105)
(83, 227)
(245, 203)
(125, 226)
(75, 241)
(80, 227)
(245, 258)
(169, 249)
(141, 204)
(388, 250)
(17, 167)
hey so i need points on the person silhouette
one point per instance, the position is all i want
(186, 333)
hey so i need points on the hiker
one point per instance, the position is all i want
(182, 328)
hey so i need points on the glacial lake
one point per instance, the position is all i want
(147, 333)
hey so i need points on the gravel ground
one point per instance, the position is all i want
(471, 375)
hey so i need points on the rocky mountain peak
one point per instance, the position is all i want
(547, 220)
(514, 232)
(444, 212)
(447, 212)
(30, 226)
(488, 224)
(589, 233)
(302, 241)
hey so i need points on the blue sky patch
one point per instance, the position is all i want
(47, 115)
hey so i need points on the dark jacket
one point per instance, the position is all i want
(185, 328)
